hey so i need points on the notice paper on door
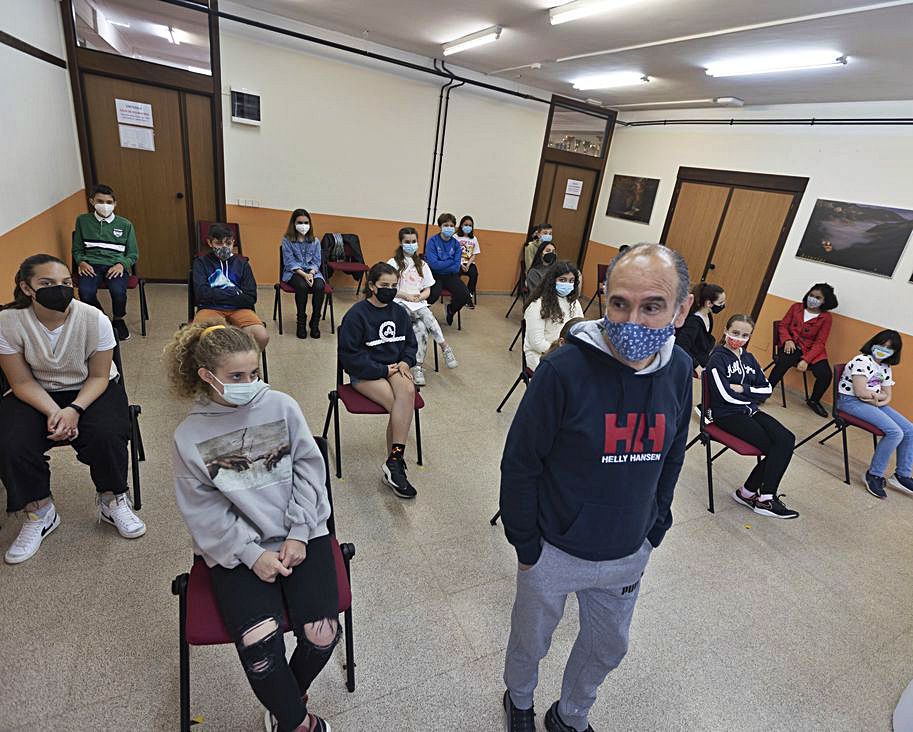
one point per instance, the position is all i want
(133, 113)
(571, 202)
(137, 138)
(574, 188)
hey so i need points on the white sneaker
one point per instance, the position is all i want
(31, 535)
(119, 513)
(418, 375)
(450, 358)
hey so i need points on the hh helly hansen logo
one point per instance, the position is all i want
(622, 445)
(387, 334)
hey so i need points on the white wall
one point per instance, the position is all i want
(858, 164)
(347, 139)
(38, 147)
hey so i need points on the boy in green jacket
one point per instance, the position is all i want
(104, 250)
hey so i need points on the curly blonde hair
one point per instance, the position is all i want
(193, 347)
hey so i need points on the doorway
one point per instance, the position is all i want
(730, 227)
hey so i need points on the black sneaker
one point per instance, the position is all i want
(301, 330)
(121, 330)
(902, 481)
(774, 508)
(395, 477)
(816, 407)
(517, 720)
(449, 315)
(554, 723)
(315, 331)
(875, 485)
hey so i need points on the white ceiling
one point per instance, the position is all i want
(877, 42)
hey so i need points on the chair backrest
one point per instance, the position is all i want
(522, 344)
(705, 396)
(119, 363)
(191, 299)
(835, 387)
(775, 339)
(601, 270)
(325, 453)
(281, 263)
(203, 232)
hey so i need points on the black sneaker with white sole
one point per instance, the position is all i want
(774, 508)
(554, 723)
(395, 477)
(120, 329)
(874, 484)
(517, 720)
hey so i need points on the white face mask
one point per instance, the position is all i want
(240, 394)
(302, 228)
(104, 209)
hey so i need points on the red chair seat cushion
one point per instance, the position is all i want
(357, 403)
(349, 266)
(718, 434)
(286, 287)
(446, 293)
(132, 283)
(529, 372)
(860, 423)
(204, 622)
(327, 289)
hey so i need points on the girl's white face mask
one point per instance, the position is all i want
(240, 394)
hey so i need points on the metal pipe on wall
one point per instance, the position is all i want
(440, 166)
(434, 157)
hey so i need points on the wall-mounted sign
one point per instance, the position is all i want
(133, 113)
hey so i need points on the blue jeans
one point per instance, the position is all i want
(117, 286)
(898, 434)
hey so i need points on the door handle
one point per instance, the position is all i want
(709, 266)
(180, 195)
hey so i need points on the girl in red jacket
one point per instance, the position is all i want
(803, 340)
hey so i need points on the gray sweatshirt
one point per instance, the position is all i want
(248, 478)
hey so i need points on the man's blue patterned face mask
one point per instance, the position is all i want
(635, 342)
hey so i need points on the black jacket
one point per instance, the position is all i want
(696, 340)
(333, 251)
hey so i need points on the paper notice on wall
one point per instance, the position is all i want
(574, 188)
(137, 138)
(133, 113)
(571, 202)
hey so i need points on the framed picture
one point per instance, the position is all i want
(857, 236)
(632, 198)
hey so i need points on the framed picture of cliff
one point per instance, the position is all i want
(632, 198)
(857, 236)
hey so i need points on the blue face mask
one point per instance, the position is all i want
(545, 238)
(635, 342)
(564, 288)
(467, 230)
(882, 352)
(240, 394)
(447, 231)
(410, 247)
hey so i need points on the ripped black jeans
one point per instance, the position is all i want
(246, 602)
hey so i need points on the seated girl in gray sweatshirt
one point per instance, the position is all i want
(251, 486)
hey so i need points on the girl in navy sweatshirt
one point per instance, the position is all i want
(377, 349)
(737, 388)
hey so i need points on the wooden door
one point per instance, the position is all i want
(201, 157)
(695, 221)
(150, 185)
(746, 245)
(569, 223)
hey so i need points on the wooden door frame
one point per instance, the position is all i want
(564, 157)
(732, 179)
(83, 60)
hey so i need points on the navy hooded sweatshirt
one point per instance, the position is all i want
(370, 338)
(223, 285)
(594, 451)
(725, 369)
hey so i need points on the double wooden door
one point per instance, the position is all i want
(161, 190)
(568, 213)
(731, 234)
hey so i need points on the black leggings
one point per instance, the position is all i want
(302, 290)
(769, 436)
(456, 286)
(473, 274)
(309, 594)
(104, 430)
(821, 370)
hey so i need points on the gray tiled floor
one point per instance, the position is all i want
(743, 623)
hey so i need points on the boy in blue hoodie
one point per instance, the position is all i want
(444, 255)
(224, 287)
(587, 478)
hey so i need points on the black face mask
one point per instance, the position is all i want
(717, 309)
(549, 258)
(56, 297)
(385, 294)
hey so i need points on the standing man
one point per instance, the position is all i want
(104, 249)
(587, 477)
(444, 255)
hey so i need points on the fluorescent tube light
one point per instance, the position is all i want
(581, 9)
(610, 81)
(729, 101)
(778, 63)
(719, 101)
(118, 23)
(473, 40)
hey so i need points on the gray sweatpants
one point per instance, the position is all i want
(424, 323)
(606, 594)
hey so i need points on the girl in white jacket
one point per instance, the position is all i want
(555, 301)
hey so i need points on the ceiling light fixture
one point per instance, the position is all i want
(171, 36)
(778, 63)
(610, 81)
(118, 23)
(473, 40)
(581, 9)
(719, 101)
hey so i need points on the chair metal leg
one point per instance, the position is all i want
(874, 442)
(516, 338)
(143, 308)
(436, 364)
(459, 319)
(814, 434)
(361, 276)
(134, 457)
(783, 392)
(706, 442)
(265, 366)
(832, 434)
(179, 588)
(494, 519)
(595, 294)
(805, 383)
(846, 459)
(326, 422)
(519, 295)
(277, 310)
(348, 551)
(418, 438)
(697, 438)
(332, 314)
(507, 396)
(140, 450)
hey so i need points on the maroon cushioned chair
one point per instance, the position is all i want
(776, 348)
(200, 623)
(445, 293)
(840, 420)
(281, 287)
(357, 403)
(601, 270)
(350, 267)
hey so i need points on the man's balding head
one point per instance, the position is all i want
(648, 284)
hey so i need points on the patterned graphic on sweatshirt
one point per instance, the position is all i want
(250, 458)
(387, 334)
(625, 437)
